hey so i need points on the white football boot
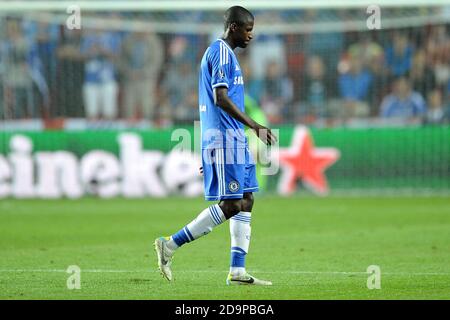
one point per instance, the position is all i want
(164, 257)
(246, 279)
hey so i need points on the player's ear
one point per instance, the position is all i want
(233, 26)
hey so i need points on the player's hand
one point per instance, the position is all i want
(201, 171)
(265, 134)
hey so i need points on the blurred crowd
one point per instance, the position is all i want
(48, 71)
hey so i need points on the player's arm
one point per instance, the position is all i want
(223, 101)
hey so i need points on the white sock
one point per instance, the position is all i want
(200, 226)
(240, 231)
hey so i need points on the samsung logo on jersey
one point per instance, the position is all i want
(238, 80)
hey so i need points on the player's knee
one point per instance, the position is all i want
(230, 207)
(247, 202)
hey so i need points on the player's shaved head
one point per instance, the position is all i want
(238, 15)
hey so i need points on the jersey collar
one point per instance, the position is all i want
(228, 46)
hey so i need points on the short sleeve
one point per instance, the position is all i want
(220, 61)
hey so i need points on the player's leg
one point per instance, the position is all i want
(213, 175)
(230, 207)
(240, 231)
(110, 92)
(204, 223)
(91, 96)
(209, 218)
(200, 226)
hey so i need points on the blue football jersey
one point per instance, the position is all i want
(220, 68)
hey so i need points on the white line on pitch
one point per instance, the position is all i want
(224, 271)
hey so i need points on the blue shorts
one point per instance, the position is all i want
(228, 173)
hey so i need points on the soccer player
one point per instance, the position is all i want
(228, 168)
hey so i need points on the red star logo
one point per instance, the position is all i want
(303, 161)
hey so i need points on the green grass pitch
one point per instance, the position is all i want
(311, 248)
